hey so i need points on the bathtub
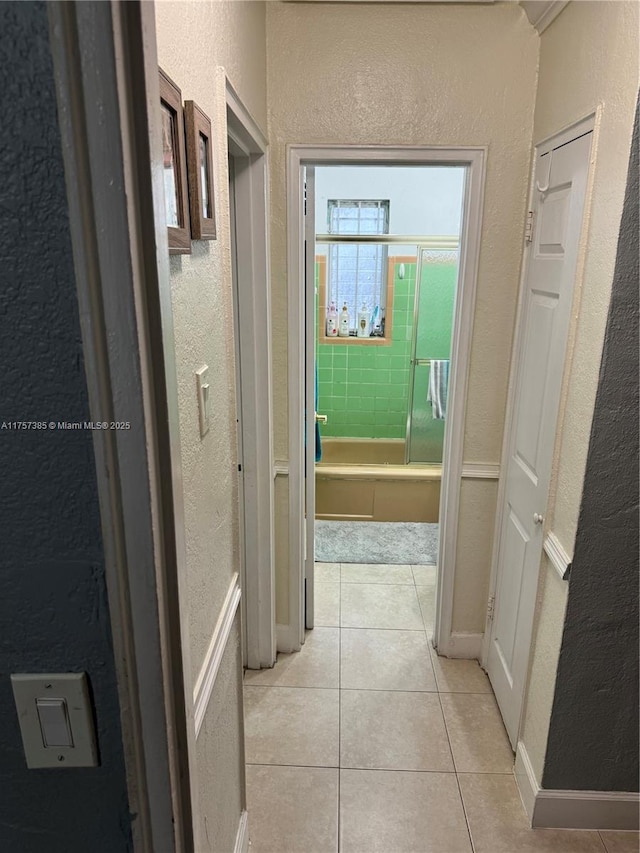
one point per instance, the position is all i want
(365, 479)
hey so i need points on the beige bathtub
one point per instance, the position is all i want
(365, 479)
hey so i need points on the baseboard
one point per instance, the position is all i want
(526, 780)
(555, 809)
(459, 645)
(213, 657)
(242, 836)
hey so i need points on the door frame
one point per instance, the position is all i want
(474, 159)
(106, 71)
(589, 122)
(248, 147)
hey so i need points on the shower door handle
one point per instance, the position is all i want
(321, 419)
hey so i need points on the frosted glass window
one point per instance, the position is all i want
(357, 272)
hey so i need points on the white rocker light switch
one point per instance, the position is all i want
(56, 719)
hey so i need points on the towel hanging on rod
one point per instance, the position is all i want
(438, 388)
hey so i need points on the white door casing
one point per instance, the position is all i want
(310, 392)
(247, 147)
(560, 183)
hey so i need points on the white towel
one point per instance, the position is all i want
(438, 388)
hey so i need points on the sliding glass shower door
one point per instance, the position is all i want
(436, 281)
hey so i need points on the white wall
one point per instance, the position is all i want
(588, 56)
(420, 75)
(193, 40)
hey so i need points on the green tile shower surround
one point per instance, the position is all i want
(364, 390)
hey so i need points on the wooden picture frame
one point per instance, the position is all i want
(200, 172)
(175, 168)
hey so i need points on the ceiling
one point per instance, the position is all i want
(539, 12)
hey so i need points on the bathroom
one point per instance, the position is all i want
(382, 374)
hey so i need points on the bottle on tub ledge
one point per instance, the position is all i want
(343, 327)
(332, 321)
(363, 322)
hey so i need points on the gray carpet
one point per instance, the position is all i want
(390, 542)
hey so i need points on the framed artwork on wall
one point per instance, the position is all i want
(175, 170)
(200, 172)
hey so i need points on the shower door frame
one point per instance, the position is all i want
(473, 158)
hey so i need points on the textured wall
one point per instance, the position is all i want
(413, 74)
(193, 40)
(588, 56)
(593, 735)
(53, 602)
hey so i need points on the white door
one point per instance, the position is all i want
(310, 391)
(560, 183)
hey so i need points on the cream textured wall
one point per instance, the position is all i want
(193, 40)
(588, 56)
(473, 555)
(422, 75)
(551, 607)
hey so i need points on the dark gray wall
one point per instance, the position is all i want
(593, 739)
(53, 606)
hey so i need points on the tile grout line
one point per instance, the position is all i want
(455, 770)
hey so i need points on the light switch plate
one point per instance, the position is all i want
(73, 688)
(204, 402)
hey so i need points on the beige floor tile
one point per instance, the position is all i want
(498, 822)
(327, 604)
(385, 660)
(317, 664)
(380, 606)
(370, 573)
(427, 599)
(291, 725)
(393, 730)
(424, 575)
(327, 572)
(292, 809)
(478, 739)
(395, 812)
(617, 841)
(459, 676)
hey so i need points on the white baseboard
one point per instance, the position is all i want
(242, 836)
(467, 646)
(213, 657)
(555, 809)
(526, 780)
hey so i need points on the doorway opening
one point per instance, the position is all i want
(386, 241)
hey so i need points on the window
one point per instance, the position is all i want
(357, 272)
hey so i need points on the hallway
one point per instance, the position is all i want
(335, 736)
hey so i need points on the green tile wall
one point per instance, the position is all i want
(364, 390)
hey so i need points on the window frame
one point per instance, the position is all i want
(386, 283)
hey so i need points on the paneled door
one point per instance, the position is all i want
(561, 172)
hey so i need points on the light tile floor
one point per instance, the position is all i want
(367, 742)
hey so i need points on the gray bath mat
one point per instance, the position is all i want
(390, 542)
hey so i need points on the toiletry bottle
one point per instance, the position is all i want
(343, 328)
(332, 321)
(363, 322)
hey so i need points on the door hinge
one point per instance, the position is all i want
(490, 607)
(528, 232)
(305, 198)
